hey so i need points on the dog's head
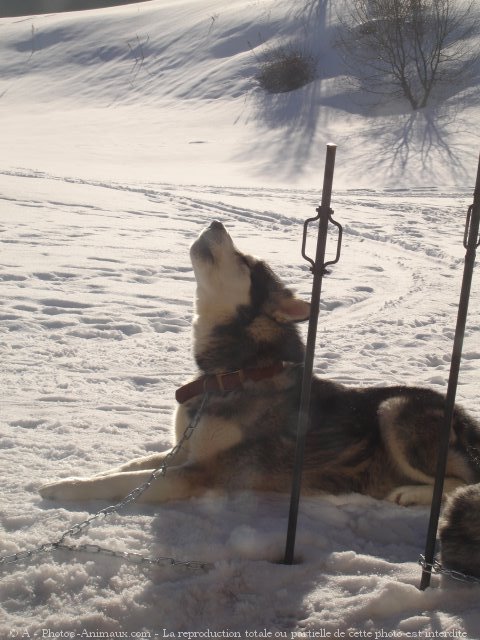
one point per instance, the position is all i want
(245, 315)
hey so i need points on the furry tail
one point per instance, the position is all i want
(460, 531)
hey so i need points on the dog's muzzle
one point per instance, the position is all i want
(216, 227)
(213, 235)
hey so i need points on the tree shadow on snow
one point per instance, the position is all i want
(429, 141)
(291, 120)
(393, 140)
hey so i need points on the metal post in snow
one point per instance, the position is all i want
(470, 243)
(318, 269)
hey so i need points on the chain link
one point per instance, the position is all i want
(77, 529)
(90, 548)
(436, 567)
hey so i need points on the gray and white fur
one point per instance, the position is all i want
(381, 441)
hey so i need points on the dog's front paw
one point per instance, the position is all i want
(411, 495)
(70, 489)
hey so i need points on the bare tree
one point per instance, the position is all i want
(409, 47)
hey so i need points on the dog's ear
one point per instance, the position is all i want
(291, 309)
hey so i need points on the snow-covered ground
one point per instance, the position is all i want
(124, 132)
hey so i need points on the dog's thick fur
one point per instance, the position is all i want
(460, 531)
(382, 442)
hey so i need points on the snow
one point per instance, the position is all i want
(125, 131)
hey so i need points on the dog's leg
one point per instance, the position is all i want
(178, 483)
(410, 495)
(410, 429)
(409, 441)
(151, 462)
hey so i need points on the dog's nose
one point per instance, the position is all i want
(217, 226)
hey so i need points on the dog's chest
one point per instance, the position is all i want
(212, 435)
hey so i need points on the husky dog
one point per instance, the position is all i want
(382, 442)
(460, 531)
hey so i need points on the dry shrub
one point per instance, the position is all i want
(285, 69)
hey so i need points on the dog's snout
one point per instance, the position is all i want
(217, 226)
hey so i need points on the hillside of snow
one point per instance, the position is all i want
(125, 131)
(166, 91)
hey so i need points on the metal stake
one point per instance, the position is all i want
(318, 269)
(470, 242)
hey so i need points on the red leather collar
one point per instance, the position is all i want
(228, 381)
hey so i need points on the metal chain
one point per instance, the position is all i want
(436, 567)
(81, 527)
(137, 558)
